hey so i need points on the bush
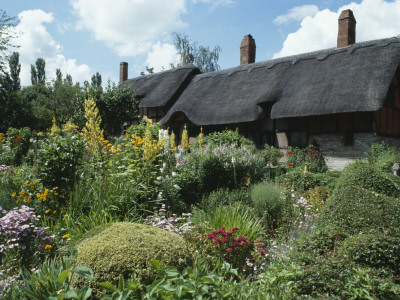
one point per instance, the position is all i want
(309, 157)
(373, 250)
(126, 248)
(18, 142)
(362, 174)
(225, 137)
(224, 196)
(267, 202)
(301, 181)
(60, 158)
(208, 169)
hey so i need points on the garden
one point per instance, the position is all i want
(139, 217)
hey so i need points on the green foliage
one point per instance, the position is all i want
(38, 72)
(18, 142)
(271, 155)
(116, 106)
(123, 290)
(208, 169)
(235, 215)
(361, 174)
(267, 203)
(223, 197)
(225, 137)
(129, 248)
(7, 32)
(383, 156)
(60, 158)
(204, 58)
(309, 158)
(373, 250)
(140, 129)
(51, 281)
(301, 181)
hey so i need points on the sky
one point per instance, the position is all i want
(82, 37)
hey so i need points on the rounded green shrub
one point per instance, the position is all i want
(126, 248)
(372, 250)
(364, 175)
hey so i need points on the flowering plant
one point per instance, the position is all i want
(178, 225)
(222, 244)
(21, 239)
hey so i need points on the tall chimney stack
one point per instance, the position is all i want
(123, 72)
(347, 29)
(247, 50)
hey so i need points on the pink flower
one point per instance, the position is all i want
(229, 250)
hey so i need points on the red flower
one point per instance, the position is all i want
(289, 164)
(17, 139)
(290, 152)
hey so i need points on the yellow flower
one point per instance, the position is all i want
(47, 211)
(22, 192)
(48, 247)
(56, 187)
(34, 182)
(32, 187)
(65, 236)
(14, 194)
(38, 195)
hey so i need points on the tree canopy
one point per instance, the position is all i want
(191, 53)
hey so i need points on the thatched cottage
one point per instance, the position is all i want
(342, 99)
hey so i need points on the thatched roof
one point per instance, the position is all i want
(163, 88)
(351, 79)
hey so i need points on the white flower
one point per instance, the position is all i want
(177, 187)
(173, 174)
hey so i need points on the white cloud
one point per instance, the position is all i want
(215, 2)
(375, 19)
(130, 27)
(297, 14)
(36, 42)
(161, 56)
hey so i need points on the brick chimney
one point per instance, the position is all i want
(123, 72)
(347, 29)
(247, 50)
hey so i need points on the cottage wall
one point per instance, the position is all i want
(336, 154)
(387, 119)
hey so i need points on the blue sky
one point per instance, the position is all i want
(82, 37)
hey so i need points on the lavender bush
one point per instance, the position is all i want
(21, 240)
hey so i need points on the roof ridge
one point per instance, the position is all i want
(319, 55)
(171, 70)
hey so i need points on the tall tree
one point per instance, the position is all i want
(38, 72)
(15, 70)
(190, 53)
(7, 31)
(40, 68)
